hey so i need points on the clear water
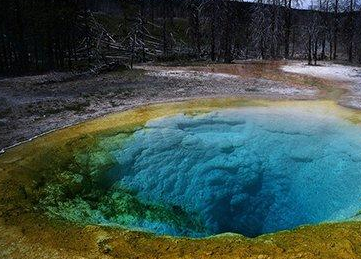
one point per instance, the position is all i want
(248, 171)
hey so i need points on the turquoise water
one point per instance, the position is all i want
(247, 170)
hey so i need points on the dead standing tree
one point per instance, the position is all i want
(276, 28)
(211, 21)
(228, 23)
(335, 28)
(220, 20)
(195, 8)
(214, 19)
(328, 22)
(358, 37)
(139, 42)
(323, 12)
(288, 26)
(267, 28)
(311, 35)
(349, 28)
(260, 28)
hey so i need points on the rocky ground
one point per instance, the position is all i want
(32, 105)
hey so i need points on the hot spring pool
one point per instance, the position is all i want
(246, 170)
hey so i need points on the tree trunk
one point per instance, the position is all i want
(273, 30)
(288, 11)
(213, 40)
(315, 52)
(351, 33)
(323, 50)
(164, 29)
(335, 30)
(309, 50)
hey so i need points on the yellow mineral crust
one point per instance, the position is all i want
(26, 233)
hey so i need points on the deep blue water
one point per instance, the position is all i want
(247, 170)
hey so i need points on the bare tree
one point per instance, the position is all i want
(194, 8)
(260, 28)
(350, 27)
(227, 34)
(311, 35)
(288, 25)
(358, 36)
(267, 28)
(211, 17)
(335, 28)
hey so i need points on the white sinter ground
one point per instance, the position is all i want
(340, 73)
(181, 74)
(262, 86)
(326, 71)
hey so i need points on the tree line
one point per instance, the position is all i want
(40, 35)
(45, 35)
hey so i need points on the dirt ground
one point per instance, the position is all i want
(30, 106)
